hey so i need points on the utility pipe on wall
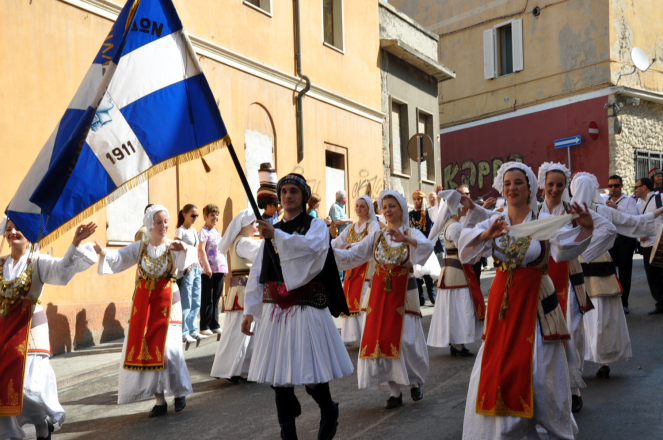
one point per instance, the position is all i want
(300, 95)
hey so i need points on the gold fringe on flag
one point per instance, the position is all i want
(130, 184)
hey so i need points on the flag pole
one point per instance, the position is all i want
(254, 205)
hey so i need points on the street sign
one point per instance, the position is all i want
(568, 142)
(593, 130)
(413, 147)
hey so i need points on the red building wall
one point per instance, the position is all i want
(473, 155)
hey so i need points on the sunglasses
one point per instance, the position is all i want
(616, 185)
(194, 215)
(639, 186)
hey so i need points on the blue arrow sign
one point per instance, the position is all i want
(568, 142)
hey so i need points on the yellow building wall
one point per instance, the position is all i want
(50, 44)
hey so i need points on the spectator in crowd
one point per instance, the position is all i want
(656, 175)
(215, 268)
(435, 205)
(644, 189)
(143, 234)
(337, 212)
(378, 214)
(314, 205)
(420, 220)
(189, 282)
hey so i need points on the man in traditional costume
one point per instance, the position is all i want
(605, 326)
(393, 349)
(421, 221)
(520, 377)
(293, 299)
(233, 355)
(357, 279)
(28, 389)
(153, 362)
(460, 308)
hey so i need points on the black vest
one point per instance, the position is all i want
(329, 277)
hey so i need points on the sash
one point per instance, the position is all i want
(148, 326)
(505, 384)
(559, 274)
(15, 334)
(385, 314)
(353, 285)
(475, 292)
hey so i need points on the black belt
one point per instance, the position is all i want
(550, 303)
(604, 269)
(452, 251)
(577, 279)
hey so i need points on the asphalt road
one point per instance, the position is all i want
(628, 405)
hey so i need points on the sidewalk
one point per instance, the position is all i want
(90, 363)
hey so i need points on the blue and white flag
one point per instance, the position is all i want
(144, 106)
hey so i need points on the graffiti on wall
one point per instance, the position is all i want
(473, 174)
(367, 184)
(313, 183)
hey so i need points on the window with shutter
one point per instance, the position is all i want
(503, 49)
(489, 54)
(265, 5)
(332, 22)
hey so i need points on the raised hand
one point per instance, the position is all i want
(97, 247)
(495, 230)
(396, 235)
(266, 229)
(83, 232)
(489, 202)
(176, 246)
(584, 219)
(467, 202)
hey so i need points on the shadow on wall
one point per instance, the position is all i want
(83, 337)
(112, 328)
(58, 326)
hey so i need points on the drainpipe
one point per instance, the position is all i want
(300, 95)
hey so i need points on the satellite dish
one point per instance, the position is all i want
(640, 59)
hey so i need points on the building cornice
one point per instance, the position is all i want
(110, 10)
(412, 56)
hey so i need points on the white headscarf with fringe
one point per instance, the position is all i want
(371, 208)
(401, 201)
(148, 218)
(241, 220)
(585, 189)
(450, 207)
(531, 181)
(547, 167)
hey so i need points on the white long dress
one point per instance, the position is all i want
(300, 345)
(412, 366)
(602, 240)
(233, 355)
(552, 393)
(352, 326)
(454, 320)
(40, 391)
(174, 379)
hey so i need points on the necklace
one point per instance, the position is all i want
(14, 290)
(393, 255)
(514, 250)
(154, 265)
(355, 237)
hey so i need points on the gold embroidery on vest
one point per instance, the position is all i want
(144, 352)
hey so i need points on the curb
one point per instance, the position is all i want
(64, 382)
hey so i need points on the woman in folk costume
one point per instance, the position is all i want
(605, 326)
(393, 350)
(460, 308)
(233, 355)
(28, 389)
(520, 377)
(358, 278)
(152, 358)
(293, 298)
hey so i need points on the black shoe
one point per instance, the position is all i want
(159, 410)
(180, 403)
(233, 379)
(626, 312)
(576, 403)
(464, 352)
(289, 431)
(656, 311)
(51, 428)
(604, 372)
(328, 422)
(417, 393)
(394, 402)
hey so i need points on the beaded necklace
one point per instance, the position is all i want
(355, 237)
(394, 255)
(514, 249)
(16, 289)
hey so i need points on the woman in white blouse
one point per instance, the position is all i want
(154, 366)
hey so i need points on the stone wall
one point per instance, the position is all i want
(642, 128)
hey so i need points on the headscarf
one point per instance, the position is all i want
(547, 167)
(148, 219)
(401, 201)
(244, 218)
(299, 181)
(531, 181)
(371, 208)
(449, 208)
(585, 189)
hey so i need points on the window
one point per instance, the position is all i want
(263, 5)
(503, 49)
(335, 176)
(645, 160)
(332, 23)
(426, 126)
(125, 215)
(400, 162)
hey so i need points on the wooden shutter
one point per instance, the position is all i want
(517, 41)
(489, 54)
